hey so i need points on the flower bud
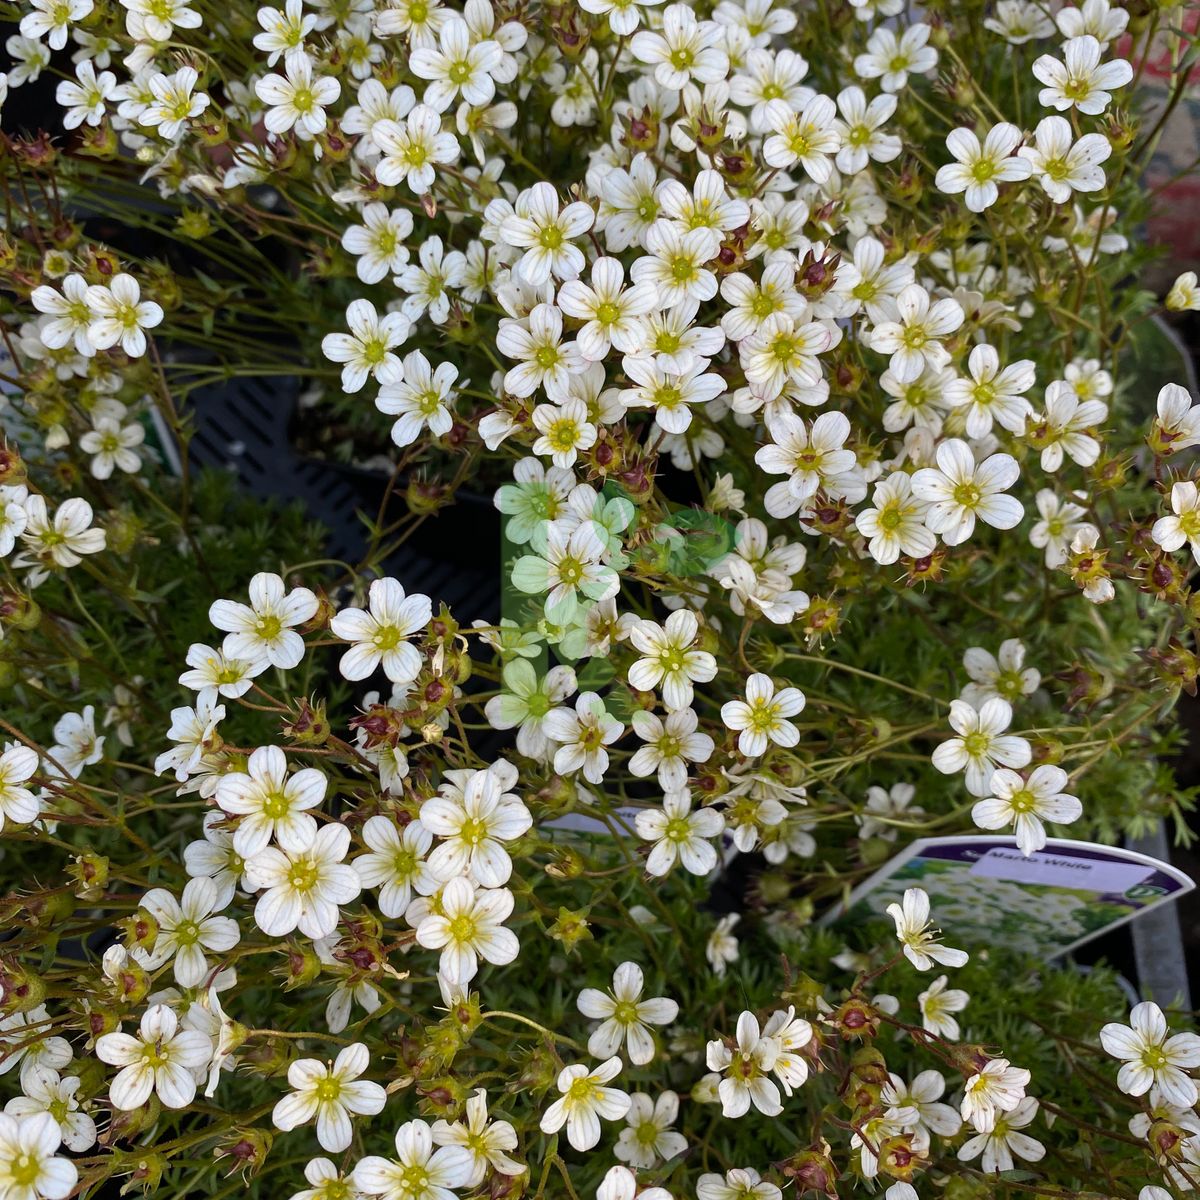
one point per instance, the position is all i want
(139, 929)
(570, 928)
(20, 989)
(90, 873)
(811, 1171)
(247, 1150)
(855, 1019)
(301, 968)
(310, 725)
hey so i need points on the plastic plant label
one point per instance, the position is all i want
(983, 892)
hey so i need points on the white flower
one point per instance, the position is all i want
(332, 1093)
(283, 32)
(669, 394)
(395, 863)
(885, 809)
(918, 1105)
(583, 1101)
(1152, 1057)
(1178, 423)
(979, 168)
(262, 632)
(526, 701)
(912, 333)
(25, 1039)
(937, 1004)
(992, 393)
(474, 823)
(298, 99)
(379, 240)
(860, 131)
(379, 636)
(1063, 430)
(1019, 21)
(75, 742)
(995, 1088)
(746, 1065)
(675, 263)
(459, 66)
(792, 1033)
(544, 360)
(624, 1016)
(582, 735)
(670, 746)
(174, 103)
(58, 543)
(419, 1172)
(1183, 525)
(920, 942)
(1062, 168)
(565, 431)
(679, 835)
(669, 659)
(485, 1140)
(981, 743)
(120, 315)
(891, 58)
(187, 928)
(412, 149)
(686, 51)
(958, 491)
(423, 398)
(547, 235)
(620, 1183)
(212, 673)
(811, 456)
(896, 523)
(1103, 21)
(53, 17)
(47, 1092)
(162, 1058)
(71, 315)
(18, 805)
(762, 717)
(648, 1138)
(112, 446)
(303, 889)
(271, 804)
(611, 311)
(85, 97)
(1079, 80)
(1001, 674)
(366, 350)
(1026, 803)
(1184, 295)
(469, 927)
(741, 1183)
(781, 356)
(29, 1166)
(1004, 1140)
(722, 947)
(1059, 524)
(809, 137)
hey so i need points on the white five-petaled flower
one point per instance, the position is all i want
(458, 66)
(980, 167)
(380, 633)
(958, 490)
(474, 823)
(30, 1168)
(297, 98)
(161, 1058)
(487, 1141)
(808, 138)
(424, 398)
(1063, 167)
(610, 310)
(919, 941)
(1152, 1057)
(996, 1148)
(1026, 803)
(546, 234)
(670, 745)
(263, 631)
(187, 927)
(331, 1093)
(469, 927)
(582, 735)
(271, 804)
(679, 835)
(1183, 525)
(412, 149)
(624, 1016)
(419, 1172)
(584, 1099)
(686, 51)
(746, 1067)
(669, 658)
(1079, 79)
(938, 1003)
(896, 523)
(992, 393)
(120, 315)
(366, 351)
(912, 334)
(396, 863)
(303, 889)
(981, 744)
(762, 718)
(648, 1139)
(60, 542)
